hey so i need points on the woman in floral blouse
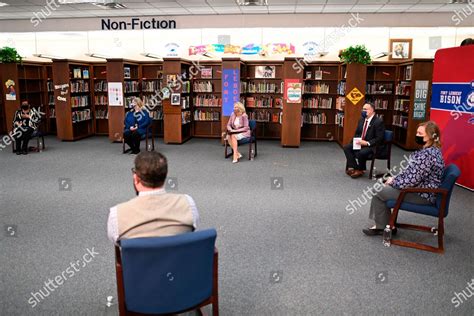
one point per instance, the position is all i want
(425, 169)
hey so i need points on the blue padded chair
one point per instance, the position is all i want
(251, 140)
(439, 209)
(384, 154)
(37, 133)
(148, 137)
(167, 275)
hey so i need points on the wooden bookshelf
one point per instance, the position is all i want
(207, 100)
(177, 118)
(51, 112)
(263, 98)
(404, 125)
(100, 99)
(9, 72)
(319, 101)
(350, 76)
(128, 74)
(72, 98)
(151, 85)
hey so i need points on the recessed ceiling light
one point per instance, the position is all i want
(2, 4)
(252, 2)
(106, 4)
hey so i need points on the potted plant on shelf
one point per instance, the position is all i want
(9, 55)
(358, 54)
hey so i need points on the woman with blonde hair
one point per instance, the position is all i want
(237, 129)
(425, 170)
(137, 121)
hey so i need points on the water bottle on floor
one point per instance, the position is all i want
(374, 174)
(252, 154)
(40, 146)
(387, 235)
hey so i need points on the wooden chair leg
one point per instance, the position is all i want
(152, 142)
(250, 151)
(255, 148)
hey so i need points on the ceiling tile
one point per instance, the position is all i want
(366, 8)
(309, 8)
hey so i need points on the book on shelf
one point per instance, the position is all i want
(403, 88)
(100, 86)
(185, 102)
(318, 102)
(82, 115)
(77, 73)
(206, 115)
(85, 73)
(207, 100)
(402, 105)
(131, 86)
(314, 118)
(156, 115)
(379, 104)
(52, 113)
(100, 100)
(379, 88)
(341, 88)
(127, 73)
(79, 101)
(261, 87)
(263, 102)
(340, 103)
(186, 87)
(400, 120)
(316, 88)
(51, 100)
(50, 86)
(151, 86)
(380, 116)
(79, 86)
(102, 114)
(151, 102)
(308, 75)
(203, 86)
(265, 116)
(339, 119)
(185, 117)
(128, 102)
(206, 73)
(407, 75)
(318, 75)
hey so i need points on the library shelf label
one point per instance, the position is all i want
(137, 24)
(115, 93)
(421, 97)
(293, 89)
(230, 90)
(355, 96)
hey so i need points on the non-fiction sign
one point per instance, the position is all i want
(230, 90)
(421, 96)
(293, 90)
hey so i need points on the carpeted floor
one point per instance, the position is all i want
(292, 249)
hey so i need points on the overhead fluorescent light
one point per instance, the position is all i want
(151, 55)
(48, 56)
(252, 2)
(2, 4)
(97, 56)
(106, 4)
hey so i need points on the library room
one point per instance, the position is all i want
(237, 157)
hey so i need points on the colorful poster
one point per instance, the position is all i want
(230, 90)
(421, 96)
(452, 108)
(115, 90)
(11, 93)
(251, 49)
(293, 88)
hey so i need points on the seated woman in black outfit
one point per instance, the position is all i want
(137, 121)
(25, 122)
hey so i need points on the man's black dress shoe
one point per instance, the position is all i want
(372, 231)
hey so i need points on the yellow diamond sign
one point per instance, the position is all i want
(354, 96)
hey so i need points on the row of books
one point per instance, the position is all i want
(79, 86)
(339, 119)
(79, 73)
(100, 86)
(379, 104)
(151, 86)
(403, 88)
(51, 100)
(260, 87)
(100, 100)
(206, 115)
(265, 116)
(185, 102)
(185, 117)
(102, 114)
(314, 118)
(341, 88)
(128, 102)
(50, 86)
(316, 88)
(318, 102)
(52, 113)
(402, 105)
(131, 86)
(151, 102)
(156, 115)
(263, 102)
(400, 120)
(207, 100)
(79, 116)
(79, 101)
(380, 116)
(379, 88)
(203, 86)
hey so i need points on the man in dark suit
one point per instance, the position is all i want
(371, 130)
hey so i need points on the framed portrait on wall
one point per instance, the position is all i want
(400, 48)
(175, 99)
(265, 71)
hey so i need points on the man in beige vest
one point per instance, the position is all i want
(154, 212)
